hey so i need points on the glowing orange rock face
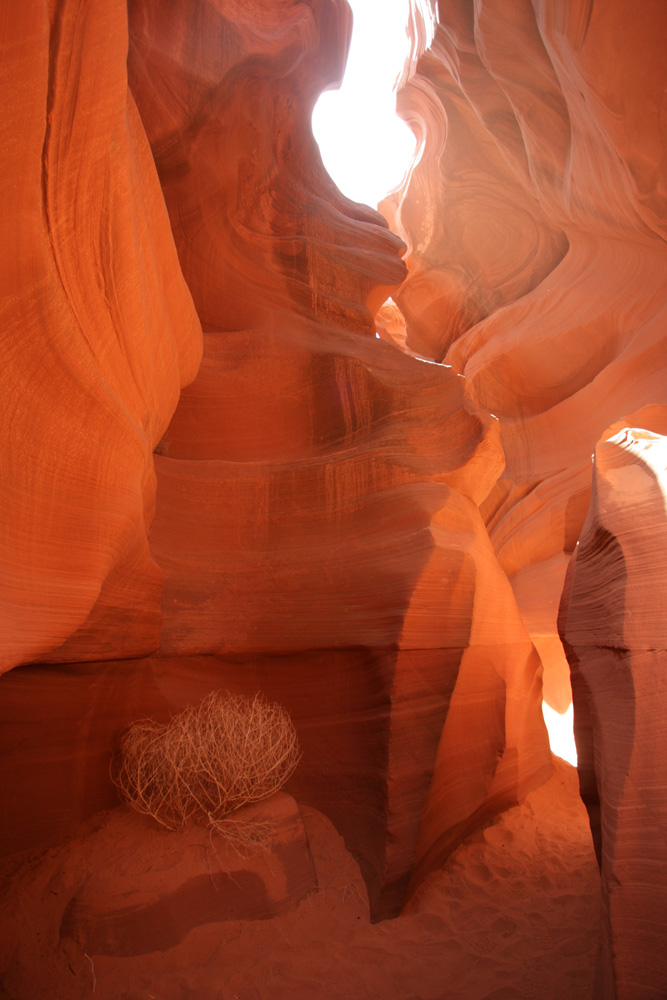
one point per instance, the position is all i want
(537, 265)
(317, 532)
(613, 626)
(535, 224)
(318, 490)
(226, 94)
(99, 333)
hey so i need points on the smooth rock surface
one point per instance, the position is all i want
(225, 92)
(318, 489)
(99, 334)
(537, 267)
(377, 543)
(613, 626)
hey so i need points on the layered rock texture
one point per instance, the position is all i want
(535, 224)
(317, 527)
(217, 476)
(535, 221)
(99, 335)
(613, 627)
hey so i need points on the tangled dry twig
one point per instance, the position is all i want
(207, 761)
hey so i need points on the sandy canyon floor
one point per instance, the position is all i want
(514, 914)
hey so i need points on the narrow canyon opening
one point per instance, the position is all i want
(399, 473)
(369, 150)
(366, 148)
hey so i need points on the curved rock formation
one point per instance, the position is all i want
(263, 867)
(317, 532)
(123, 891)
(305, 465)
(514, 912)
(99, 335)
(613, 627)
(226, 93)
(537, 266)
(303, 508)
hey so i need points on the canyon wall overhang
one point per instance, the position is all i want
(535, 225)
(316, 531)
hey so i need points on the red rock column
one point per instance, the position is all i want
(318, 489)
(537, 267)
(99, 333)
(614, 629)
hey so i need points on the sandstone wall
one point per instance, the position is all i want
(99, 333)
(612, 623)
(316, 532)
(537, 268)
(535, 224)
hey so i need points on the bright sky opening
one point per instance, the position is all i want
(561, 735)
(366, 148)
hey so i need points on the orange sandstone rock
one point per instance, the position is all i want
(306, 517)
(536, 256)
(612, 624)
(261, 867)
(318, 490)
(226, 94)
(317, 532)
(99, 334)
(515, 912)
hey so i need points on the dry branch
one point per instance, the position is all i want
(207, 761)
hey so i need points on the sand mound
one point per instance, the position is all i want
(512, 916)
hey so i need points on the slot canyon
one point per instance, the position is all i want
(402, 472)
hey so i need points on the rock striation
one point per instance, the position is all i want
(226, 93)
(217, 475)
(308, 462)
(537, 268)
(535, 224)
(612, 624)
(316, 531)
(99, 335)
